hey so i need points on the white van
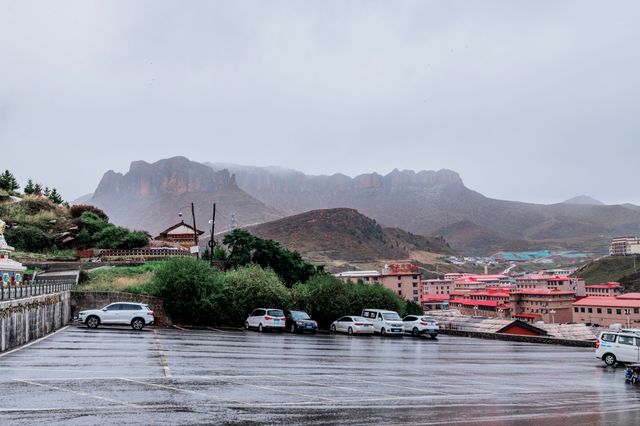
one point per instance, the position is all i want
(384, 322)
(618, 346)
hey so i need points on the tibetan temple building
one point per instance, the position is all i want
(180, 233)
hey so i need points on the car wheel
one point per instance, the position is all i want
(246, 325)
(333, 328)
(137, 324)
(260, 329)
(609, 359)
(93, 321)
(292, 329)
(383, 331)
(433, 336)
(415, 332)
(350, 331)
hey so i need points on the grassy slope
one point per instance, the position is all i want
(122, 278)
(613, 268)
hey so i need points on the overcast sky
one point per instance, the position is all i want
(529, 100)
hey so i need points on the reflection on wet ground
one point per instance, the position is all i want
(115, 375)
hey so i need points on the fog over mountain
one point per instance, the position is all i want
(536, 102)
(428, 203)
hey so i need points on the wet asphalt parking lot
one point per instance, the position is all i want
(169, 376)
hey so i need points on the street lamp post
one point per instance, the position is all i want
(500, 312)
(553, 316)
(475, 311)
(212, 242)
(627, 312)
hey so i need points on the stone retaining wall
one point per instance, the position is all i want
(517, 338)
(24, 320)
(83, 300)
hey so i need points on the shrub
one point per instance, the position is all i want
(29, 238)
(191, 290)
(251, 287)
(77, 210)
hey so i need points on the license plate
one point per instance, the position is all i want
(308, 326)
(276, 320)
(396, 330)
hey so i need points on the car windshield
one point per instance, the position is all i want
(275, 313)
(300, 315)
(427, 319)
(391, 316)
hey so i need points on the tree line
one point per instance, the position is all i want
(9, 184)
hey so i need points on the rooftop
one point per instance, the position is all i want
(611, 302)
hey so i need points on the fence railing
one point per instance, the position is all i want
(36, 288)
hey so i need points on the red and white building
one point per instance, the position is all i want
(624, 246)
(401, 278)
(623, 309)
(609, 289)
(561, 283)
(539, 304)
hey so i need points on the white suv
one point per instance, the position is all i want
(618, 346)
(384, 322)
(419, 325)
(137, 315)
(266, 319)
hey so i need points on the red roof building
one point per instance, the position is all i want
(604, 311)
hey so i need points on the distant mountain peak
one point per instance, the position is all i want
(584, 200)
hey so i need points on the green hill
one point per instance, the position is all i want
(624, 269)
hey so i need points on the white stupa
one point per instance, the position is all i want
(12, 272)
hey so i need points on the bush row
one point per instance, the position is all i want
(195, 294)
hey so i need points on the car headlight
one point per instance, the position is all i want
(299, 323)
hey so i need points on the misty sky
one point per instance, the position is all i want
(529, 100)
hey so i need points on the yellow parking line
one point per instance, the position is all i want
(163, 359)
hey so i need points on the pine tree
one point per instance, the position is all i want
(8, 181)
(37, 189)
(55, 196)
(29, 187)
(46, 192)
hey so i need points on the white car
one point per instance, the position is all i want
(618, 346)
(266, 319)
(137, 315)
(352, 325)
(419, 325)
(384, 322)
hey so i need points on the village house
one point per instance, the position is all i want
(622, 309)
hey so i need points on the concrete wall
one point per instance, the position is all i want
(25, 320)
(83, 300)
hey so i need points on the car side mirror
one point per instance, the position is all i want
(104, 309)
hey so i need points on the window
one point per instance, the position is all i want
(599, 310)
(590, 310)
(608, 337)
(609, 311)
(400, 292)
(581, 309)
(410, 318)
(399, 285)
(114, 307)
(130, 307)
(275, 313)
(625, 340)
(575, 309)
(399, 278)
(618, 311)
(415, 291)
(415, 284)
(636, 310)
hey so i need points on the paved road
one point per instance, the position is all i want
(167, 376)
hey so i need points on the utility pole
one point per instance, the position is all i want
(212, 242)
(195, 230)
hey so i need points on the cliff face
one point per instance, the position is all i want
(150, 196)
(438, 203)
(175, 176)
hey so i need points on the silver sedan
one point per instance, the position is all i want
(352, 325)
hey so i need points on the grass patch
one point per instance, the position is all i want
(130, 279)
(50, 255)
(614, 268)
